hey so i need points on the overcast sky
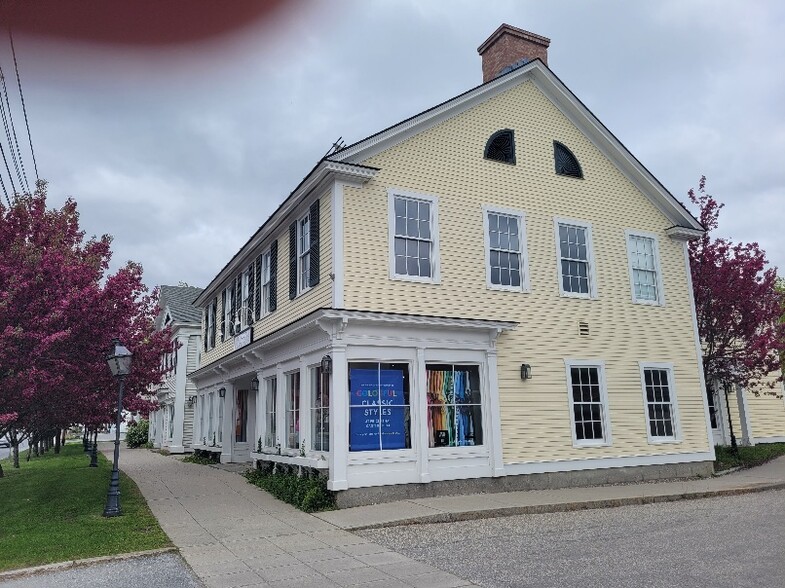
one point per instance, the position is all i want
(181, 154)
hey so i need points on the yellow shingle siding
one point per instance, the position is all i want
(447, 161)
(767, 411)
(320, 296)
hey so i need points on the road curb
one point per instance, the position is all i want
(453, 517)
(77, 563)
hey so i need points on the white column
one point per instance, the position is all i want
(226, 425)
(261, 408)
(418, 396)
(305, 407)
(494, 418)
(176, 443)
(339, 421)
(280, 403)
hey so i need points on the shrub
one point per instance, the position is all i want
(137, 433)
(309, 493)
(200, 458)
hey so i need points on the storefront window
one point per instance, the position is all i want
(379, 406)
(320, 409)
(293, 410)
(454, 405)
(220, 423)
(241, 416)
(210, 411)
(271, 388)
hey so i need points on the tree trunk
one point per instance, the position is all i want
(14, 439)
(57, 442)
(1, 471)
(62, 436)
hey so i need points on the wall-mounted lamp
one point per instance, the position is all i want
(526, 371)
(222, 392)
(255, 384)
(327, 364)
(191, 400)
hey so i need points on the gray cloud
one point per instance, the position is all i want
(182, 154)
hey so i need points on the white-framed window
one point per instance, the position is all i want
(414, 236)
(246, 304)
(210, 326)
(228, 310)
(200, 412)
(303, 253)
(575, 258)
(293, 410)
(270, 429)
(220, 421)
(506, 258)
(454, 405)
(210, 437)
(645, 274)
(320, 410)
(265, 280)
(588, 402)
(659, 399)
(171, 422)
(379, 406)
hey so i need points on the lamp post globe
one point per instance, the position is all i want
(119, 361)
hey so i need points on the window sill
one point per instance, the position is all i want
(516, 289)
(415, 279)
(648, 302)
(381, 457)
(320, 463)
(663, 441)
(445, 453)
(585, 444)
(578, 296)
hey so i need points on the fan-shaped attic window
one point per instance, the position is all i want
(566, 163)
(501, 147)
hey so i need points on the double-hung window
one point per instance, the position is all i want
(210, 326)
(660, 401)
(320, 410)
(246, 303)
(303, 253)
(505, 249)
(575, 256)
(293, 410)
(210, 420)
(588, 402)
(414, 247)
(265, 280)
(271, 393)
(645, 275)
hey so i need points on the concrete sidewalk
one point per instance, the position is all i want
(234, 534)
(770, 476)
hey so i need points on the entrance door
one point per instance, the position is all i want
(716, 416)
(241, 450)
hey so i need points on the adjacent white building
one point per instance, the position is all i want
(171, 426)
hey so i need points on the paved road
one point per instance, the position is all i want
(5, 452)
(167, 570)
(729, 542)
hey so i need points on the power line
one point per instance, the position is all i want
(24, 108)
(7, 127)
(2, 183)
(17, 157)
(5, 161)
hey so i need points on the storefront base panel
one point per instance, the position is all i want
(510, 483)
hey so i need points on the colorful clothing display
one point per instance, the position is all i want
(452, 408)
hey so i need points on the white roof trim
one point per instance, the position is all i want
(563, 99)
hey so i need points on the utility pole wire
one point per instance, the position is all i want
(8, 128)
(24, 108)
(10, 177)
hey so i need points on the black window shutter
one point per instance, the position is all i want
(223, 312)
(313, 271)
(257, 303)
(232, 305)
(215, 318)
(273, 276)
(205, 313)
(293, 260)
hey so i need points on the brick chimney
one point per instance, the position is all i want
(507, 46)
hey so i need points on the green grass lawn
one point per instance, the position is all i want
(748, 456)
(50, 511)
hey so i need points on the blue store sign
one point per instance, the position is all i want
(377, 410)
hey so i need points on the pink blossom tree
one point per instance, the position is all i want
(738, 306)
(59, 310)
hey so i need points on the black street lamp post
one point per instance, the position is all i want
(119, 360)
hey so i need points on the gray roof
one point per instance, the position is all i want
(179, 301)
